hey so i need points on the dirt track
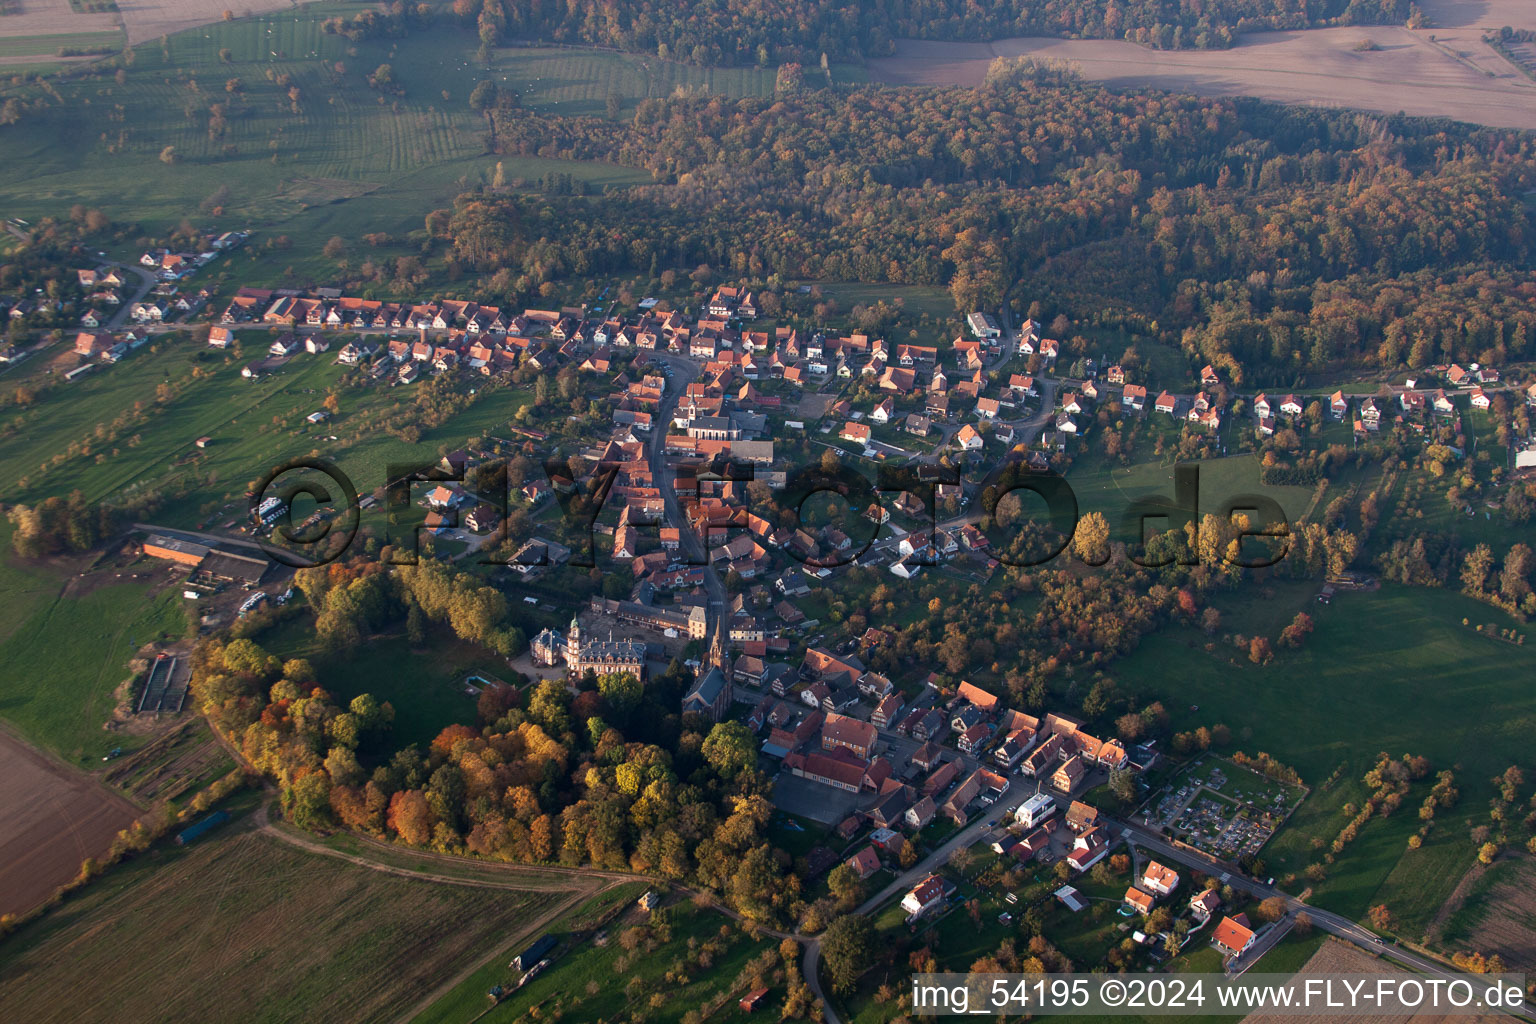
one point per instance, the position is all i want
(1456, 76)
(51, 819)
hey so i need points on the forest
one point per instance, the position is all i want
(768, 32)
(1266, 240)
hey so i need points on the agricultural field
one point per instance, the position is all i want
(1337, 957)
(54, 818)
(1497, 913)
(32, 31)
(915, 299)
(179, 930)
(1390, 670)
(16, 49)
(468, 998)
(1415, 72)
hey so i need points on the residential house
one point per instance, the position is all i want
(926, 756)
(1138, 901)
(1159, 879)
(924, 896)
(864, 863)
(845, 733)
(1233, 937)
(968, 439)
(1203, 905)
(1071, 772)
(974, 739)
(1088, 849)
(1081, 817)
(920, 814)
(887, 711)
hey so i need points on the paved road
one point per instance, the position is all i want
(1326, 920)
(146, 283)
(683, 372)
(1143, 838)
(966, 837)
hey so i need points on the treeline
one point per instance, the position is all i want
(60, 525)
(354, 599)
(768, 32)
(1267, 241)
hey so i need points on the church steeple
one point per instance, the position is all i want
(717, 656)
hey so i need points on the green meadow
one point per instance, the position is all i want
(1392, 671)
(253, 426)
(342, 158)
(1111, 489)
(66, 648)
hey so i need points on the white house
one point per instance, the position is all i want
(924, 896)
(1035, 810)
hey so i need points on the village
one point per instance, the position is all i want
(895, 778)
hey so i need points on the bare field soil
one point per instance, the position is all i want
(1509, 926)
(53, 17)
(151, 19)
(1456, 76)
(51, 819)
(242, 928)
(1335, 957)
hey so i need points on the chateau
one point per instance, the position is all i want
(580, 655)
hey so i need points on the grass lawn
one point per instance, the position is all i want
(469, 997)
(254, 425)
(66, 647)
(916, 299)
(170, 934)
(595, 982)
(1110, 489)
(1392, 670)
(423, 685)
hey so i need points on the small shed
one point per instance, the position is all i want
(752, 1000)
(203, 442)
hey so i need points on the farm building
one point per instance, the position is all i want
(202, 828)
(533, 954)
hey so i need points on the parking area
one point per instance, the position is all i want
(804, 798)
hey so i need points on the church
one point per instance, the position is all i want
(710, 694)
(581, 655)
